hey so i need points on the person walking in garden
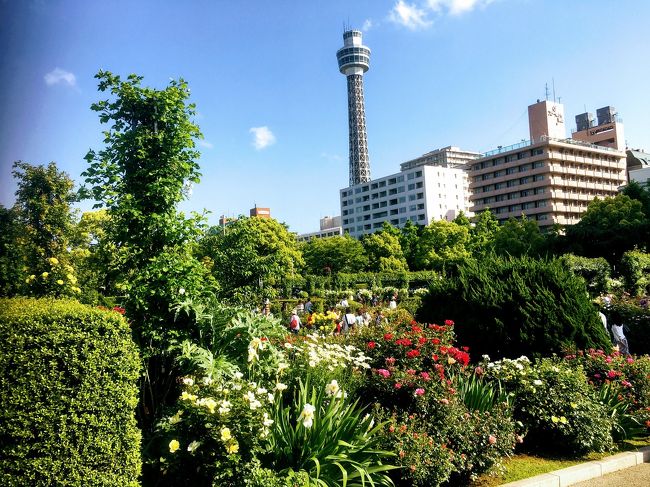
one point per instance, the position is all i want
(619, 339)
(294, 322)
(309, 306)
(393, 302)
(348, 321)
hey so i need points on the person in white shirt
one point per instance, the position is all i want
(620, 340)
(348, 321)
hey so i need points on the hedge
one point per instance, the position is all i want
(507, 307)
(67, 395)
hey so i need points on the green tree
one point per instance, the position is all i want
(140, 176)
(441, 244)
(384, 251)
(483, 233)
(609, 228)
(12, 262)
(332, 255)
(408, 239)
(252, 257)
(518, 238)
(43, 218)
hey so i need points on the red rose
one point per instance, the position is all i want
(449, 323)
(388, 336)
(371, 345)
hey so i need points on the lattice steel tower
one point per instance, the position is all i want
(354, 60)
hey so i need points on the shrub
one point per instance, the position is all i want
(556, 405)
(67, 395)
(635, 268)
(596, 272)
(512, 307)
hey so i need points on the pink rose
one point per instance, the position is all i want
(419, 391)
(492, 439)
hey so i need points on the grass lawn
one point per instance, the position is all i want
(522, 466)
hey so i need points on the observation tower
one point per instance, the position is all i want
(354, 60)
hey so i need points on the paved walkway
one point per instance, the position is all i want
(627, 469)
(630, 477)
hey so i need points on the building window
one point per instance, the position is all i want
(418, 174)
(410, 176)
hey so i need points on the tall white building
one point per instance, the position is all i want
(421, 194)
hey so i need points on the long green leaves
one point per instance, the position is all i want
(479, 395)
(330, 438)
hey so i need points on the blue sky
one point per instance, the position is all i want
(272, 104)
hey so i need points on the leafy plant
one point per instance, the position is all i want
(324, 433)
(480, 395)
(624, 424)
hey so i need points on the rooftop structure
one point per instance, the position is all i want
(449, 156)
(330, 226)
(354, 60)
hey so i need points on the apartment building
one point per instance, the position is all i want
(550, 178)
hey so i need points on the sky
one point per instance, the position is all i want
(272, 105)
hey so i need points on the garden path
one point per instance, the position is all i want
(629, 477)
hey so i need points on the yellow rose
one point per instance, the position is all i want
(53, 260)
(232, 447)
(45, 274)
(174, 445)
(59, 282)
(225, 434)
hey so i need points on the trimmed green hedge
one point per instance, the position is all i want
(507, 307)
(68, 394)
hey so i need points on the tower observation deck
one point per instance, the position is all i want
(354, 60)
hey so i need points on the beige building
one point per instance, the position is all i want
(549, 178)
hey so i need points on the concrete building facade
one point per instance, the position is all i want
(330, 226)
(549, 178)
(420, 194)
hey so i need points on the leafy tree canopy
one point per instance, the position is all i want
(252, 258)
(334, 255)
(442, 243)
(384, 251)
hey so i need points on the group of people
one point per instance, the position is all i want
(346, 321)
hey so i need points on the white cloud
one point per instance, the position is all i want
(331, 157)
(262, 137)
(409, 15)
(60, 76)
(367, 25)
(206, 144)
(457, 7)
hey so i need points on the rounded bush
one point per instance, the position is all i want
(67, 395)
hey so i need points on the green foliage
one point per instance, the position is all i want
(37, 261)
(408, 239)
(332, 255)
(482, 234)
(609, 228)
(442, 244)
(68, 395)
(324, 433)
(252, 258)
(556, 405)
(12, 272)
(511, 307)
(635, 269)
(140, 176)
(596, 272)
(384, 252)
(480, 395)
(519, 238)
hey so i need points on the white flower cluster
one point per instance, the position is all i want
(508, 368)
(331, 355)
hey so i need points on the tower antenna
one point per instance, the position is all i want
(553, 80)
(546, 91)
